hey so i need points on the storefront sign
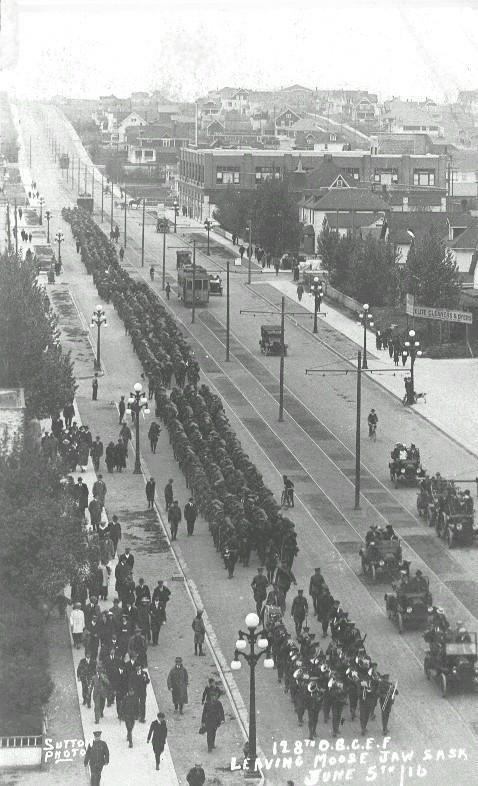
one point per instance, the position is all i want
(441, 314)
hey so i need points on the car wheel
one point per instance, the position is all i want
(426, 669)
(450, 539)
(373, 571)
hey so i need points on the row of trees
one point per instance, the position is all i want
(272, 208)
(369, 269)
(30, 353)
(41, 541)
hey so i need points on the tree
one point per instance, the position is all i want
(30, 353)
(431, 273)
(233, 210)
(372, 271)
(275, 218)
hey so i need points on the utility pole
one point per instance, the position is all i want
(78, 178)
(9, 230)
(86, 175)
(228, 312)
(111, 214)
(163, 286)
(249, 253)
(93, 184)
(30, 152)
(102, 198)
(357, 431)
(142, 235)
(125, 208)
(16, 227)
(282, 360)
(193, 313)
(72, 170)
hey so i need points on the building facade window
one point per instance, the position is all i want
(353, 172)
(423, 177)
(227, 175)
(148, 154)
(267, 173)
(385, 176)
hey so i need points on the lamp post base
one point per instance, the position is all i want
(253, 775)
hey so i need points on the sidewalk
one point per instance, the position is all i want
(450, 385)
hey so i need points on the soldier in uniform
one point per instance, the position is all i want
(367, 701)
(316, 587)
(386, 693)
(314, 704)
(259, 587)
(299, 611)
(337, 700)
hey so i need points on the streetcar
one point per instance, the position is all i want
(186, 276)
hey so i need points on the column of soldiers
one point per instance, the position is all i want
(325, 680)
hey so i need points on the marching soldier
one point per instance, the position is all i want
(259, 587)
(299, 611)
(314, 704)
(367, 701)
(337, 700)
(386, 692)
(316, 587)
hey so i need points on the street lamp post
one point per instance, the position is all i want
(366, 320)
(317, 292)
(59, 239)
(163, 282)
(413, 351)
(42, 202)
(137, 401)
(48, 217)
(176, 214)
(252, 658)
(208, 225)
(98, 319)
(228, 312)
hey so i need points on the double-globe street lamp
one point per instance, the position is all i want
(48, 218)
(317, 292)
(366, 320)
(413, 351)
(208, 226)
(42, 202)
(137, 401)
(59, 239)
(252, 658)
(98, 319)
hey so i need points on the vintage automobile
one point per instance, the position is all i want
(404, 469)
(427, 504)
(455, 518)
(453, 664)
(270, 341)
(381, 557)
(409, 607)
(215, 284)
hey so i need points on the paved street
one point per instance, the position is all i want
(315, 447)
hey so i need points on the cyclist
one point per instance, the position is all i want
(151, 272)
(372, 423)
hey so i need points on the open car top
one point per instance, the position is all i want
(461, 647)
(270, 330)
(386, 548)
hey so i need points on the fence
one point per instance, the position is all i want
(21, 751)
(345, 300)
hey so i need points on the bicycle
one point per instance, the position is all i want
(416, 397)
(284, 500)
(372, 431)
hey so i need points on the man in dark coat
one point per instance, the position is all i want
(94, 388)
(139, 680)
(259, 586)
(95, 507)
(150, 492)
(161, 593)
(97, 756)
(110, 456)
(99, 489)
(178, 681)
(174, 517)
(121, 410)
(115, 533)
(96, 452)
(142, 591)
(85, 672)
(199, 633)
(168, 493)
(130, 713)
(190, 514)
(196, 775)
(81, 494)
(158, 731)
(120, 455)
(212, 717)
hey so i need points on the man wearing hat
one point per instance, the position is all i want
(158, 731)
(212, 718)
(97, 756)
(130, 713)
(199, 633)
(299, 611)
(259, 586)
(316, 587)
(196, 775)
(178, 682)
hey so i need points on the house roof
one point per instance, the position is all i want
(419, 223)
(349, 220)
(304, 124)
(287, 109)
(294, 88)
(352, 199)
(408, 112)
(324, 175)
(467, 239)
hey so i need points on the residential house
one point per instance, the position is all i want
(118, 132)
(462, 240)
(352, 208)
(285, 119)
(400, 225)
(208, 111)
(468, 100)
(408, 117)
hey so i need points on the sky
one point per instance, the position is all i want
(86, 48)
